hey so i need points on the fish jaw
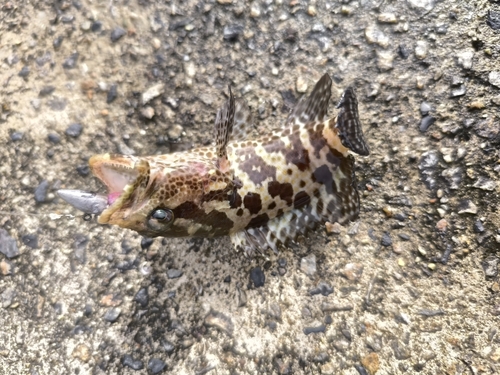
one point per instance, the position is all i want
(120, 173)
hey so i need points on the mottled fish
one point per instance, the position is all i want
(261, 192)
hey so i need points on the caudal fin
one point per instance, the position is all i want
(348, 125)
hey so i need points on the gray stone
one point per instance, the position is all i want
(153, 92)
(465, 58)
(41, 191)
(484, 183)
(494, 78)
(8, 245)
(173, 273)
(112, 314)
(308, 265)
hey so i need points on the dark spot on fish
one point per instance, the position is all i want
(301, 199)
(289, 171)
(235, 200)
(258, 221)
(302, 183)
(271, 206)
(239, 212)
(285, 191)
(280, 212)
(218, 221)
(297, 154)
(253, 203)
(323, 175)
(255, 167)
(332, 159)
(317, 140)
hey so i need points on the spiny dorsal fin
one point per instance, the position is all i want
(348, 125)
(313, 108)
(243, 121)
(224, 127)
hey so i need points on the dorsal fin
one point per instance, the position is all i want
(348, 125)
(243, 121)
(313, 108)
(224, 127)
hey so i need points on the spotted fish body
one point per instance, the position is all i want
(261, 192)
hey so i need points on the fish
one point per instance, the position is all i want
(262, 192)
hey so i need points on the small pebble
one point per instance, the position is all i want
(371, 363)
(142, 297)
(353, 271)
(478, 227)
(490, 266)
(421, 49)
(156, 365)
(466, 207)
(96, 26)
(322, 288)
(41, 191)
(232, 32)
(117, 34)
(174, 273)
(70, 62)
(112, 93)
(134, 364)
(6, 267)
(255, 10)
(386, 240)
(494, 78)
(334, 228)
(148, 112)
(8, 245)
(464, 58)
(219, 321)
(308, 265)
(301, 85)
(30, 240)
(146, 242)
(175, 132)
(375, 36)
(311, 11)
(152, 92)
(442, 225)
(257, 277)
(425, 108)
(314, 329)
(387, 18)
(112, 314)
(493, 19)
(16, 136)
(25, 71)
(86, 25)
(167, 346)
(57, 42)
(83, 170)
(459, 91)
(485, 184)
(74, 130)
(82, 352)
(46, 90)
(54, 138)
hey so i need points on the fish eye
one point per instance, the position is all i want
(160, 219)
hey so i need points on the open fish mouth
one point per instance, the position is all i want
(118, 173)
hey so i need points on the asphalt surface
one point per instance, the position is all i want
(411, 287)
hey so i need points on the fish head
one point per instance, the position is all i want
(161, 196)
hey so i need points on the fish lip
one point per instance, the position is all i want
(118, 173)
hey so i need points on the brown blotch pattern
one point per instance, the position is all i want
(252, 203)
(284, 191)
